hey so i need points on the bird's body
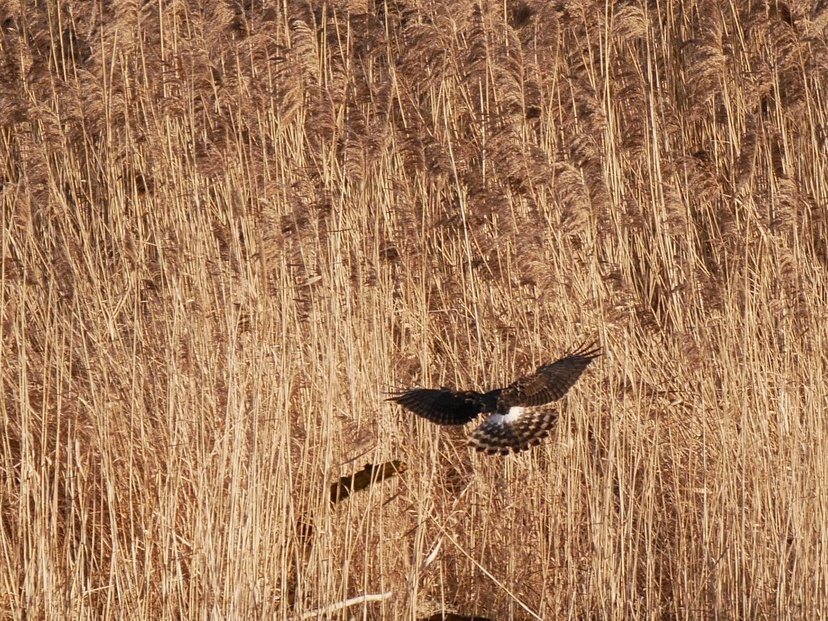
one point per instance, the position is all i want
(520, 415)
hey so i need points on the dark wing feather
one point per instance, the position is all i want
(446, 406)
(550, 382)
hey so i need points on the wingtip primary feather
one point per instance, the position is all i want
(588, 349)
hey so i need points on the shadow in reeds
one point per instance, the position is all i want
(370, 474)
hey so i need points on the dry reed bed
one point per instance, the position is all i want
(229, 229)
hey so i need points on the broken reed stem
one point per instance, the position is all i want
(346, 604)
(485, 571)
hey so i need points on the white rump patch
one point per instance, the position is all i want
(514, 413)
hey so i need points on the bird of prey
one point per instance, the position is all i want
(520, 415)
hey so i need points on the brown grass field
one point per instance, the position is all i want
(230, 229)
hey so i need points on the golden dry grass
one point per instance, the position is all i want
(229, 228)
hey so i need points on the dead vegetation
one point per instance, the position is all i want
(229, 228)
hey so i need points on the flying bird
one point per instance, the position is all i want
(520, 415)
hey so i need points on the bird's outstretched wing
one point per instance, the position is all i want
(446, 406)
(517, 430)
(550, 382)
